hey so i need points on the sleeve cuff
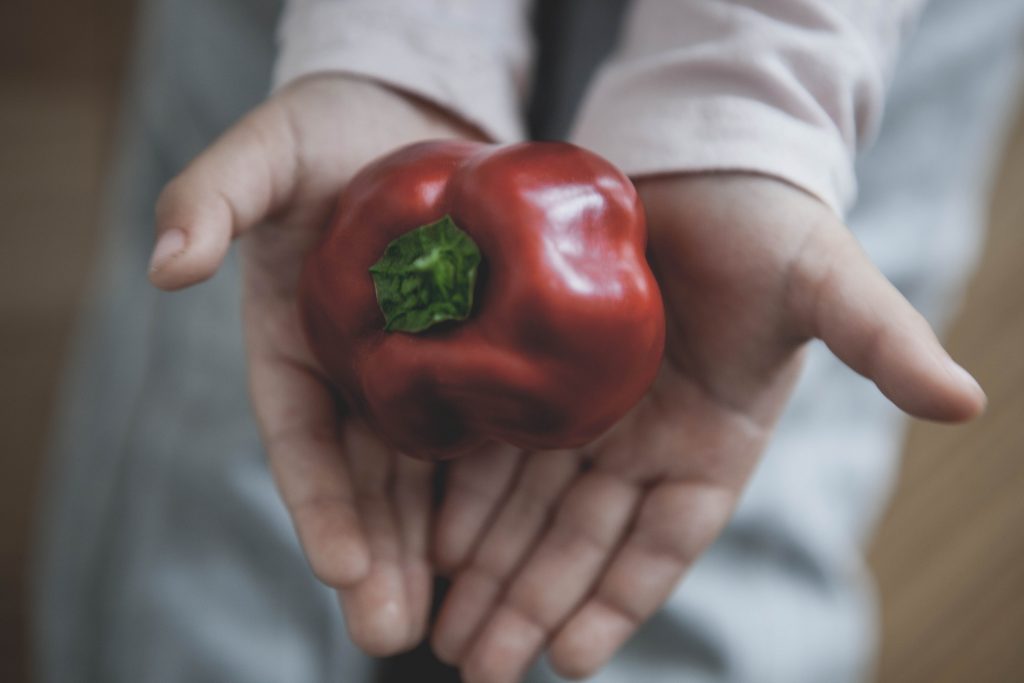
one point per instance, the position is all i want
(449, 61)
(661, 132)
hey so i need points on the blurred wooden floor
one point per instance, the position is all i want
(59, 72)
(949, 556)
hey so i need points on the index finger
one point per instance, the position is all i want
(300, 425)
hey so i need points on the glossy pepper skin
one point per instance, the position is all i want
(567, 326)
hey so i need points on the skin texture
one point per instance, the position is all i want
(568, 328)
(568, 551)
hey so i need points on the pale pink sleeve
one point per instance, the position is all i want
(470, 57)
(788, 88)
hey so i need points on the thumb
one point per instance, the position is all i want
(248, 173)
(868, 324)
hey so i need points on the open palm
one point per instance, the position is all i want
(568, 550)
(362, 512)
(572, 551)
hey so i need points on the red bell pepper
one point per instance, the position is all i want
(466, 292)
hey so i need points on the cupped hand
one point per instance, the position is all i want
(362, 512)
(570, 552)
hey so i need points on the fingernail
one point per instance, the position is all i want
(170, 245)
(962, 375)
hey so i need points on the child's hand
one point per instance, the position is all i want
(582, 547)
(361, 513)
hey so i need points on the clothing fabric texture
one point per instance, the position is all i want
(165, 553)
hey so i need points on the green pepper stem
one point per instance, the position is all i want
(426, 276)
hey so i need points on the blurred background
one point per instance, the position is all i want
(949, 556)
